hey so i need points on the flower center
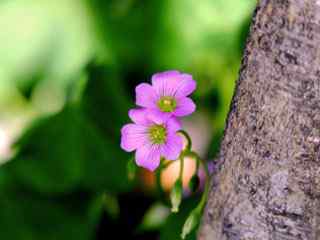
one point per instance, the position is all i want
(157, 134)
(167, 104)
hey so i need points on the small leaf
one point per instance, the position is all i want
(111, 205)
(155, 217)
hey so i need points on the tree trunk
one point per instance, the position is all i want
(267, 184)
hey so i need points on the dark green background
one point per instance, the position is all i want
(68, 70)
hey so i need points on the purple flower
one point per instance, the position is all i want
(167, 96)
(152, 136)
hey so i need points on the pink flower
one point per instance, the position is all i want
(152, 136)
(167, 96)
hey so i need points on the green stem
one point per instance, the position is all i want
(196, 157)
(194, 217)
(189, 141)
(181, 167)
(205, 194)
(158, 180)
(187, 152)
(167, 164)
(197, 165)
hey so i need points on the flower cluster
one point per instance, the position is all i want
(154, 131)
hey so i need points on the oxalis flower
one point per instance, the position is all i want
(152, 136)
(167, 96)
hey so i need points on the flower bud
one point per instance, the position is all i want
(194, 183)
(176, 195)
(191, 222)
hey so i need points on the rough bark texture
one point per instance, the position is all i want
(267, 185)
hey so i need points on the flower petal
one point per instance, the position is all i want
(165, 83)
(133, 136)
(146, 96)
(185, 107)
(158, 117)
(173, 83)
(139, 116)
(159, 77)
(185, 86)
(173, 125)
(173, 147)
(148, 156)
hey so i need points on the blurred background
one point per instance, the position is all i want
(68, 69)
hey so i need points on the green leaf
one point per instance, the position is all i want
(105, 102)
(27, 215)
(105, 165)
(120, 24)
(51, 45)
(155, 217)
(173, 227)
(66, 151)
(50, 153)
(111, 205)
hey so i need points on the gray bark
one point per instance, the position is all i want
(267, 185)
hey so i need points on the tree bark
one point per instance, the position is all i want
(267, 184)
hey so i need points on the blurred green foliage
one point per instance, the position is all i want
(173, 227)
(68, 69)
(64, 152)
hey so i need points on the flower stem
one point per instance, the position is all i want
(181, 167)
(195, 215)
(188, 152)
(166, 164)
(204, 196)
(158, 179)
(189, 141)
